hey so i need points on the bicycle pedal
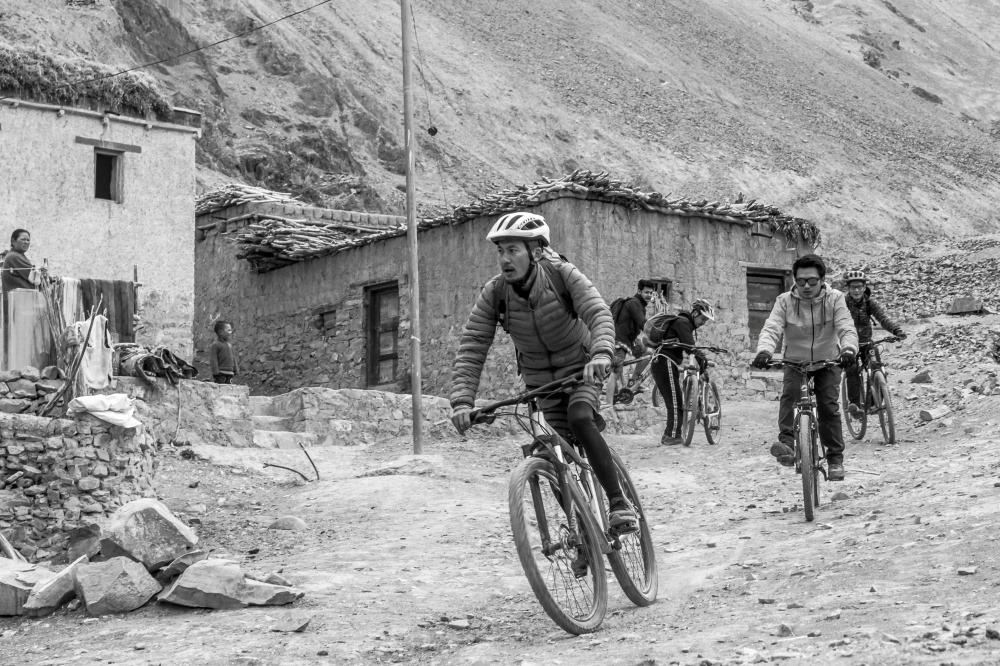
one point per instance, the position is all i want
(623, 529)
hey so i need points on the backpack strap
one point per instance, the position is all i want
(500, 288)
(559, 284)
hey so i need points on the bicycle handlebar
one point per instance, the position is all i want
(485, 413)
(875, 343)
(693, 348)
(805, 366)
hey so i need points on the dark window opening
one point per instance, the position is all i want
(328, 322)
(107, 176)
(763, 288)
(383, 335)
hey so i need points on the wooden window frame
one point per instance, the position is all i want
(117, 170)
(764, 272)
(374, 327)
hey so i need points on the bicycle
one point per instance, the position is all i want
(809, 452)
(634, 386)
(875, 388)
(559, 520)
(702, 401)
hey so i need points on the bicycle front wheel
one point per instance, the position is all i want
(856, 426)
(559, 550)
(690, 388)
(712, 413)
(634, 563)
(883, 401)
(803, 440)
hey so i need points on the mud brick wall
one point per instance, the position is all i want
(284, 340)
(59, 474)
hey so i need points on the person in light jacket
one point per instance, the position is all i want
(817, 326)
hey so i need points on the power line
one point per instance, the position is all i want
(200, 48)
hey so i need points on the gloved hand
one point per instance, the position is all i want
(761, 360)
(461, 418)
(899, 334)
(847, 359)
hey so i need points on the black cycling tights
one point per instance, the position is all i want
(584, 428)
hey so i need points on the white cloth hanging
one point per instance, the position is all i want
(97, 363)
(117, 408)
(72, 300)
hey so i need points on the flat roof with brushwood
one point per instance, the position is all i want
(275, 243)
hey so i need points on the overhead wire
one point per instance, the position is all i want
(427, 105)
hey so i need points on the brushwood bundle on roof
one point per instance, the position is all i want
(34, 74)
(272, 245)
(235, 194)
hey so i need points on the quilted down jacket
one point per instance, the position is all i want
(814, 330)
(546, 337)
(863, 310)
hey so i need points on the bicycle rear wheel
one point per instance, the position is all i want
(883, 401)
(690, 389)
(856, 426)
(712, 413)
(656, 396)
(551, 543)
(634, 563)
(803, 440)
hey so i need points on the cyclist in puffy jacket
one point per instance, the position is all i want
(551, 341)
(817, 326)
(863, 309)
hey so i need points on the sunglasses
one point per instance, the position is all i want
(812, 282)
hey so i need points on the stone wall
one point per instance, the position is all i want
(57, 475)
(209, 413)
(283, 342)
(47, 181)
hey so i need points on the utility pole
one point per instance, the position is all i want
(411, 230)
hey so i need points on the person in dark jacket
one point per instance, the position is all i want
(551, 343)
(17, 268)
(221, 356)
(666, 367)
(863, 309)
(628, 325)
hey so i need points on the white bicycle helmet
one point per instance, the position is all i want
(704, 307)
(520, 226)
(855, 276)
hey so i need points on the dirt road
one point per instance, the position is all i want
(420, 568)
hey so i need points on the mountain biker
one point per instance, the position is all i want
(551, 341)
(817, 325)
(628, 325)
(677, 328)
(863, 309)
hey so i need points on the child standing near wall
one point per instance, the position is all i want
(221, 355)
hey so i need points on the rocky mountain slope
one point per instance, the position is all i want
(872, 119)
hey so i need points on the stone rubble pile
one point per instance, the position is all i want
(28, 390)
(144, 551)
(911, 284)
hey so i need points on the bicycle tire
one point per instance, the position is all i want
(634, 564)
(856, 427)
(690, 411)
(577, 605)
(712, 413)
(803, 440)
(656, 396)
(883, 399)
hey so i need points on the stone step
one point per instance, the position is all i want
(262, 405)
(282, 439)
(271, 423)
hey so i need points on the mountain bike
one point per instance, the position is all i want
(702, 401)
(875, 389)
(810, 455)
(635, 385)
(559, 520)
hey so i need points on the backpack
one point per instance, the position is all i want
(555, 279)
(616, 308)
(658, 326)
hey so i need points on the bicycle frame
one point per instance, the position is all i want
(806, 404)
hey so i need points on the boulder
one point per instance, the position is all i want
(84, 541)
(48, 596)
(46, 386)
(923, 377)
(22, 388)
(11, 406)
(217, 583)
(17, 579)
(116, 586)
(147, 532)
(181, 564)
(288, 523)
(966, 305)
(30, 373)
(51, 372)
(9, 375)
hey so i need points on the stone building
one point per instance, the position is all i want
(107, 195)
(320, 298)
